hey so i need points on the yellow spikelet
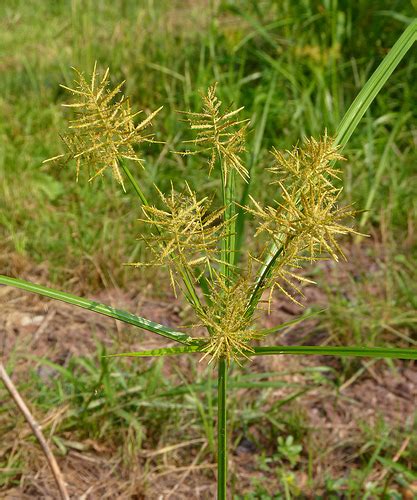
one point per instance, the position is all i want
(103, 133)
(186, 231)
(228, 326)
(304, 224)
(220, 134)
(309, 165)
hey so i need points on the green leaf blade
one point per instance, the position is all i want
(375, 83)
(353, 351)
(165, 351)
(292, 322)
(96, 307)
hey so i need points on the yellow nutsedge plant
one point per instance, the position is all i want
(196, 236)
(198, 243)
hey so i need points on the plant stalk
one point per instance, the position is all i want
(135, 185)
(190, 291)
(221, 430)
(229, 241)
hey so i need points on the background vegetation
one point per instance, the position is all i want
(296, 67)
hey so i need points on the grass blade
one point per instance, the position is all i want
(259, 135)
(292, 322)
(98, 308)
(366, 352)
(372, 87)
(165, 351)
(383, 163)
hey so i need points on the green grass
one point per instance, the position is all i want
(115, 401)
(296, 67)
(103, 402)
(310, 61)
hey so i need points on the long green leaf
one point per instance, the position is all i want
(98, 308)
(222, 430)
(366, 352)
(372, 87)
(164, 351)
(292, 322)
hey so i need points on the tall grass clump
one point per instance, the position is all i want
(198, 238)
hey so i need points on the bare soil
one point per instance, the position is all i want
(32, 327)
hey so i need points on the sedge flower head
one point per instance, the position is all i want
(312, 164)
(229, 327)
(186, 231)
(104, 132)
(220, 134)
(316, 221)
(306, 221)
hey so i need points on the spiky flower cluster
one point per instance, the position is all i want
(229, 329)
(304, 223)
(309, 166)
(219, 134)
(103, 132)
(314, 223)
(186, 231)
(195, 238)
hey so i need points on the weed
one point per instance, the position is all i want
(302, 225)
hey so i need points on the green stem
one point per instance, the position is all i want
(264, 274)
(229, 240)
(190, 291)
(255, 150)
(221, 431)
(135, 185)
(231, 210)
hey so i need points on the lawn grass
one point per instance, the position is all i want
(296, 67)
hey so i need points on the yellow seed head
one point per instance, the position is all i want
(186, 231)
(219, 134)
(225, 319)
(306, 221)
(309, 165)
(104, 132)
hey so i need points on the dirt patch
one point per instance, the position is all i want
(33, 327)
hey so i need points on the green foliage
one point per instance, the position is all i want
(288, 450)
(296, 67)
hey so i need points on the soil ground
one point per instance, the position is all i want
(33, 327)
